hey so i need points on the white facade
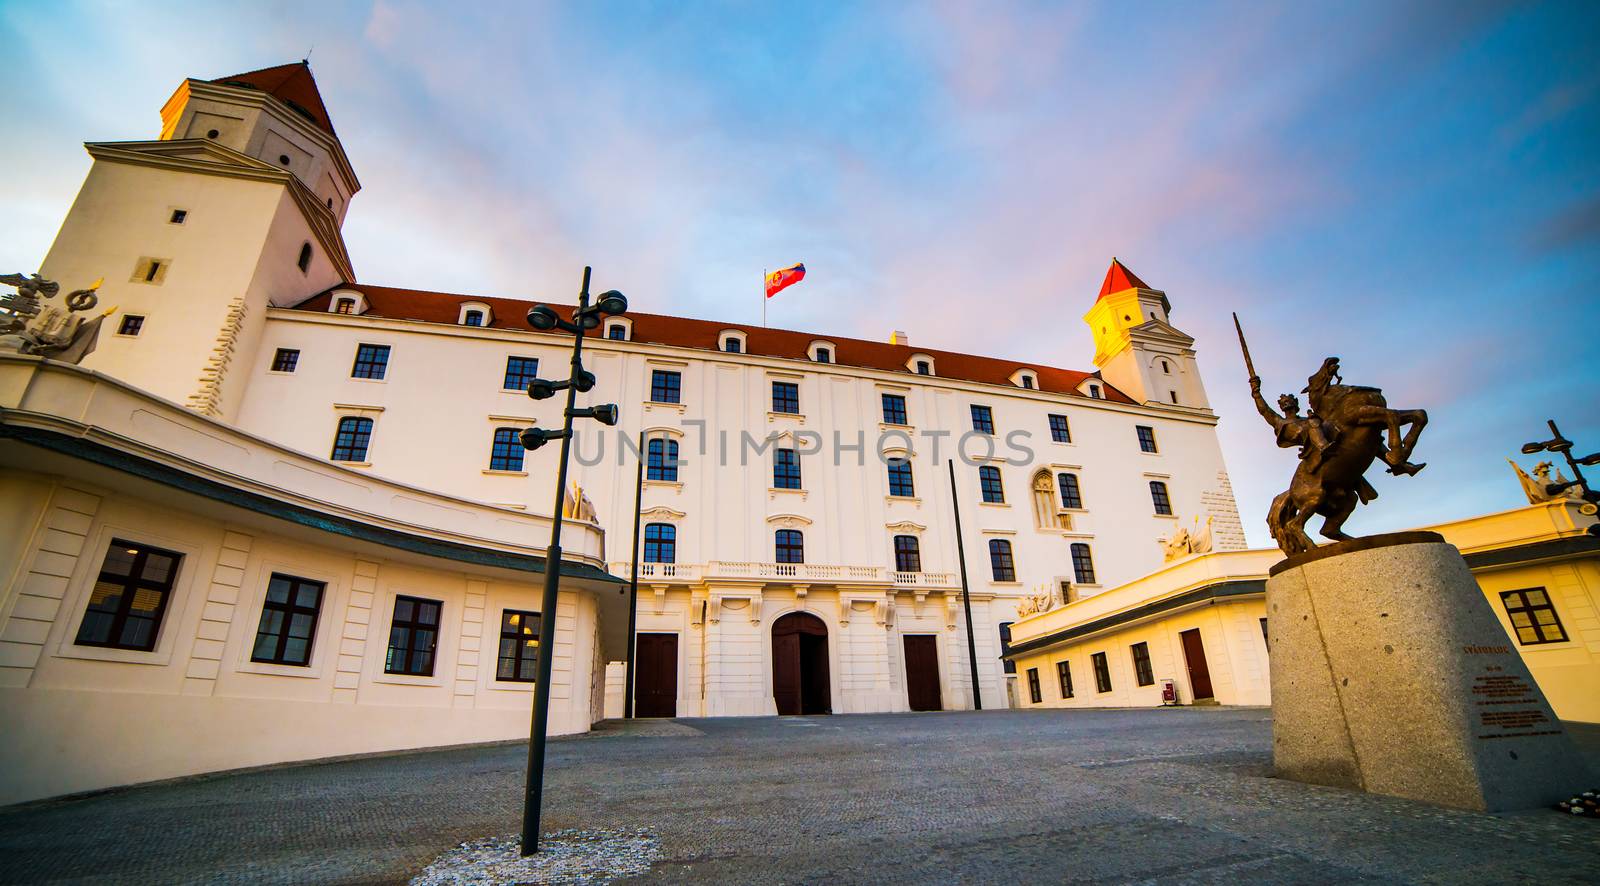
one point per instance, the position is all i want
(256, 266)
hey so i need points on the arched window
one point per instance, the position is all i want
(662, 461)
(900, 478)
(350, 443)
(1158, 495)
(790, 546)
(506, 453)
(472, 318)
(1044, 502)
(660, 543)
(1094, 391)
(732, 345)
(1000, 563)
(907, 554)
(824, 355)
(1071, 498)
(1082, 564)
(989, 482)
(305, 258)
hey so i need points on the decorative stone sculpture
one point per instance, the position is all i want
(1183, 542)
(1043, 601)
(1339, 439)
(577, 506)
(1535, 487)
(28, 325)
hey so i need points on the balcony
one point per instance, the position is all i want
(801, 573)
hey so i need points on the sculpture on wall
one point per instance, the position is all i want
(577, 506)
(1043, 601)
(1184, 542)
(1347, 429)
(31, 325)
(1536, 487)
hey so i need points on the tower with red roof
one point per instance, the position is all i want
(236, 207)
(1137, 348)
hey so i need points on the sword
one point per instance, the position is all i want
(1244, 347)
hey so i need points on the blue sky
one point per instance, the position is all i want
(1415, 188)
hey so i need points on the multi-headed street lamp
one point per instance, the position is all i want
(1558, 443)
(545, 319)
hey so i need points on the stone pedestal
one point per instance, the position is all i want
(1391, 674)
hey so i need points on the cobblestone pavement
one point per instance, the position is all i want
(1004, 796)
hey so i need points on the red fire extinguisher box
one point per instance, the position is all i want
(1169, 692)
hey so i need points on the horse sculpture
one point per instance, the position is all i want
(1348, 427)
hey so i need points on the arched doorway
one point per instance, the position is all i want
(800, 665)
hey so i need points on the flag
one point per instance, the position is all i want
(779, 280)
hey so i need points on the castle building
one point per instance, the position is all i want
(799, 548)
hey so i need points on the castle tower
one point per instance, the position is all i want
(235, 208)
(1136, 347)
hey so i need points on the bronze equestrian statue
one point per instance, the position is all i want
(1347, 428)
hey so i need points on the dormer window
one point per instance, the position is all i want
(731, 341)
(921, 364)
(474, 313)
(344, 306)
(821, 351)
(824, 355)
(731, 345)
(347, 301)
(1025, 378)
(619, 329)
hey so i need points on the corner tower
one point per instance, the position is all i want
(235, 208)
(1136, 347)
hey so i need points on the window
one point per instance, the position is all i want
(665, 386)
(982, 419)
(285, 359)
(660, 543)
(661, 460)
(1082, 564)
(1000, 560)
(413, 636)
(1068, 593)
(520, 372)
(1064, 677)
(1165, 368)
(179, 216)
(824, 355)
(519, 646)
(1102, 672)
(1174, 395)
(506, 452)
(1005, 646)
(131, 325)
(731, 345)
(894, 410)
(212, 133)
(283, 159)
(1034, 694)
(907, 554)
(786, 470)
(790, 546)
(129, 597)
(288, 621)
(1059, 431)
(304, 261)
(1027, 381)
(1533, 616)
(786, 397)
(350, 443)
(1147, 438)
(924, 367)
(372, 361)
(1264, 637)
(1094, 392)
(989, 482)
(1141, 664)
(472, 318)
(345, 306)
(900, 478)
(1159, 497)
(617, 332)
(151, 271)
(1071, 498)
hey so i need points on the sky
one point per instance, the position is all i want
(1412, 187)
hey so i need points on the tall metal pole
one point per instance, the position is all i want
(633, 582)
(533, 792)
(966, 595)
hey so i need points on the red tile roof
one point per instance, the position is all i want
(1118, 279)
(292, 84)
(443, 307)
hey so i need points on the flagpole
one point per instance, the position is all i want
(763, 298)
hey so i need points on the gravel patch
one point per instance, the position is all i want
(571, 856)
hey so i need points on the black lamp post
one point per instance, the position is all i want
(543, 318)
(1558, 443)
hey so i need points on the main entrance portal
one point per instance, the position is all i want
(800, 665)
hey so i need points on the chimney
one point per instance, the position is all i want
(898, 337)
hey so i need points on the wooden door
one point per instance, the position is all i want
(800, 665)
(786, 672)
(1194, 655)
(655, 676)
(922, 672)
